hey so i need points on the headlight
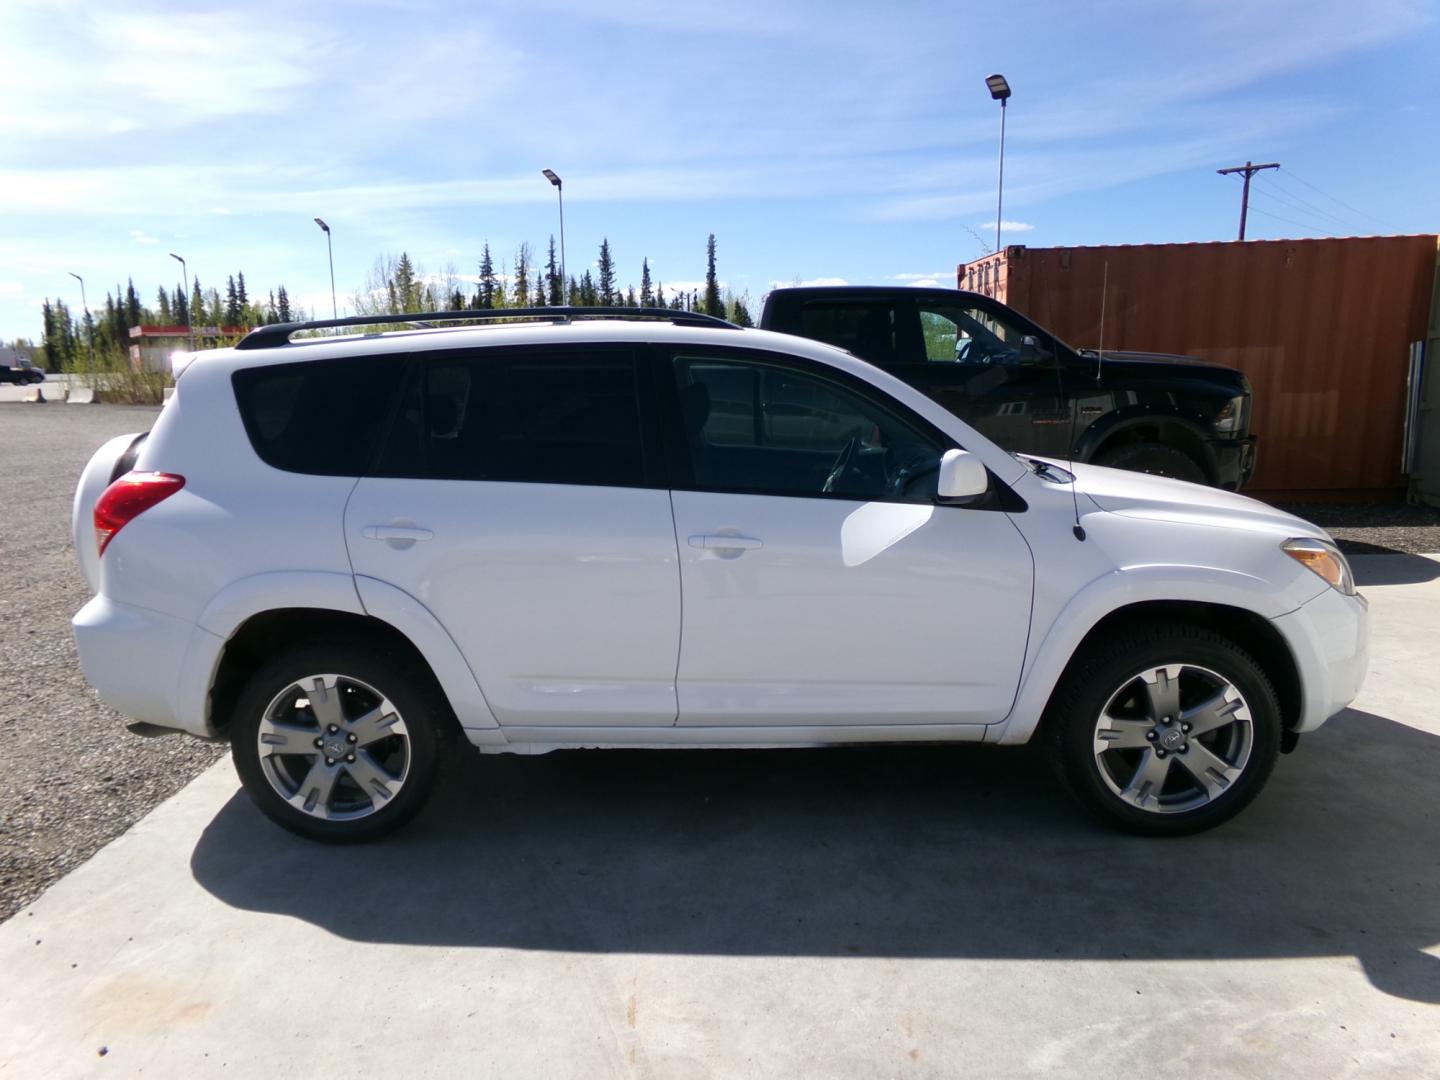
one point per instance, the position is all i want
(1324, 559)
(1231, 420)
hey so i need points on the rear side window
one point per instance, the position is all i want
(323, 417)
(562, 417)
(866, 329)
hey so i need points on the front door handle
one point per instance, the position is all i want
(405, 534)
(723, 542)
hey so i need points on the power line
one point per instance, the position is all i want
(1289, 221)
(1294, 209)
(1248, 170)
(1342, 202)
(1297, 202)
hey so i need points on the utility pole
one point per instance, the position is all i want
(1249, 170)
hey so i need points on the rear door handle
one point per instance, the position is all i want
(721, 542)
(397, 532)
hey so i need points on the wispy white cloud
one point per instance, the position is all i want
(1006, 225)
(808, 282)
(141, 237)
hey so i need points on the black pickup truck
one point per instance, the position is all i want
(1030, 392)
(21, 371)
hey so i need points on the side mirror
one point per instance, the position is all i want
(1033, 350)
(962, 477)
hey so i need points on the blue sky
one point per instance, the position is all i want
(818, 141)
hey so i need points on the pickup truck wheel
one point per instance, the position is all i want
(338, 741)
(1154, 458)
(1165, 730)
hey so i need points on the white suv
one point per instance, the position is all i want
(345, 554)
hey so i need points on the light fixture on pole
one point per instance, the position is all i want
(334, 308)
(89, 326)
(560, 192)
(999, 91)
(189, 298)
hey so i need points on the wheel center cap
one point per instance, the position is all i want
(335, 746)
(1172, 738)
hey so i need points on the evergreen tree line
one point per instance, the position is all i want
(396, 286)
(67, 337)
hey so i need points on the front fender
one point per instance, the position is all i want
(1110, 593)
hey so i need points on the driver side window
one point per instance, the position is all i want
(970, 335)
(768, 428)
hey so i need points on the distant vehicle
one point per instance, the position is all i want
(349, 555)
(1023, 387)
(20, 371)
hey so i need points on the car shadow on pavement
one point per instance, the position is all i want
(1393, 568)
(917, 851)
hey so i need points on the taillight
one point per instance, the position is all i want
(129, 497)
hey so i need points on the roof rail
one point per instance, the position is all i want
(277, 335)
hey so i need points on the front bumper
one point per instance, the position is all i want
(1330, 640)
(1234, 461)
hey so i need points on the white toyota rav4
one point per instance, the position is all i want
(346, 554)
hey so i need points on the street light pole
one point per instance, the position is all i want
(189, 298)
(560, 192)
(999, 91)
(89, 326)
(334, 308)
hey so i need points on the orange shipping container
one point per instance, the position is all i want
(1323, 329)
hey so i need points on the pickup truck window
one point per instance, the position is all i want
(865, 329)
(969, 335)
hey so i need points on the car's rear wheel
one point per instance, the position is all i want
(1154, 458)
(1165, 730)
(339, 742)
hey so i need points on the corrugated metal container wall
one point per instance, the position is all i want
(1321, 327)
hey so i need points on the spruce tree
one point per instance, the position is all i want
(180, 308)
(647, 294)
(552, 276)
(606, 266)
(240, 290)
(132, 304)
(488, 284)
(740, 313)
(282, 304)
(659, 295)
(540, 295)
(712, 304)
(163, 300)
(522, 276)
(232, 304)
(587, 291)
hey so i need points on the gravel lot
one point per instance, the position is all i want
(74, 778)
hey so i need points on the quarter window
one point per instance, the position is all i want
(318, 416)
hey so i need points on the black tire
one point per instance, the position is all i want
(1109, 674)
(410, 761)
(1156, 459)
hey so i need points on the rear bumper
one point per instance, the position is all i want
(1330, 640)
(1234, 462)
(144, 664)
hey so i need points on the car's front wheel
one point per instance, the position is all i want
(339, 741)
(1165, 729)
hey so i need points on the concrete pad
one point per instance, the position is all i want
(860, 912)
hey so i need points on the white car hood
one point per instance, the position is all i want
(1132, 494)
